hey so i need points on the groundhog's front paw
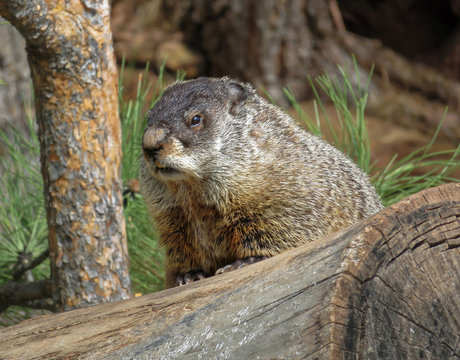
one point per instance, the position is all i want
(189, 277)
(240, 263)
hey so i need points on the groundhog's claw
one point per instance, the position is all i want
(189, 277)
(239, 264)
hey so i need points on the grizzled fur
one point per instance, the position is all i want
(228, 176)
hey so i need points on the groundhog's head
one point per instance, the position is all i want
(188, 127)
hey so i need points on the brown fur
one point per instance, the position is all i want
(246, 181)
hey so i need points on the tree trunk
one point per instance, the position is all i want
(268, 43)
(385, 288)
(70, 54)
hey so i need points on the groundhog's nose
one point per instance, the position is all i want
(152, 152)
(153, 142)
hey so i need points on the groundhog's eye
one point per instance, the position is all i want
(196, 120)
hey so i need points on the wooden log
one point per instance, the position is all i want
(385, 288)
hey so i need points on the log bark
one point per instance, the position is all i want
(385, 288)
(74, 74)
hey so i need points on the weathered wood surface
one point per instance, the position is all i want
(386, 288)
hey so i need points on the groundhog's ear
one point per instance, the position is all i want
(238, 95)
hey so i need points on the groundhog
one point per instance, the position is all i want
(230, 179)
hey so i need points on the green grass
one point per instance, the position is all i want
(399, 178)
(22, 216)
(23, 227)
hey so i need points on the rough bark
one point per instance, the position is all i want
(70, 54)
(385, 288)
